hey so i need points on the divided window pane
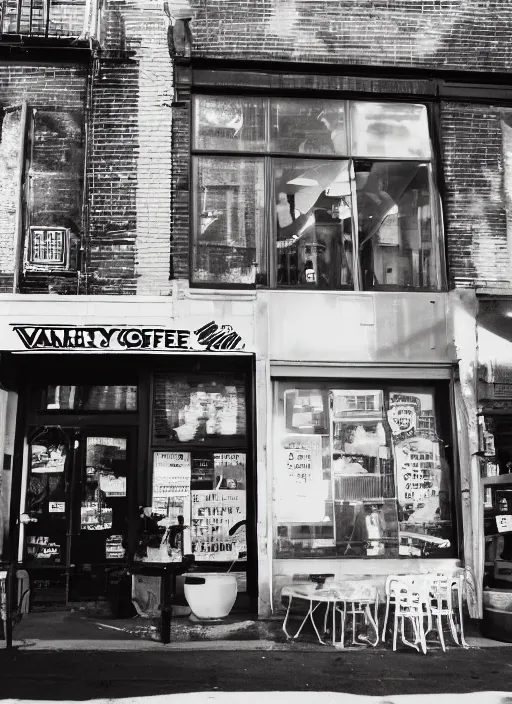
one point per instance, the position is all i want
(393, 130)
(396, 243)
(308, 126)
(229, 124)
(288, 221)
(313, 223)
(229, 219)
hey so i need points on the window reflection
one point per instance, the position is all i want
(390, 130)
(112, 397)
(234, 124)
(363, 475)
(308, 126)
(314, 223)
(396, 241)
(229, 238)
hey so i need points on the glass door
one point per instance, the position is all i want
(46, 510)
(102, 484)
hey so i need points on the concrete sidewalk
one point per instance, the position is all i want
(83, 630)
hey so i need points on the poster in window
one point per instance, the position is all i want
(41, 547)
(203, 472)
(213, 514)
(112, 486)
(47, 457)
(114, 549)
(422, 475)
(171, 489)
(403, 416)
(301, 491)
(229, 470)
(95, 516)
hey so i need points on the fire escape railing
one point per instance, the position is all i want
(49, 19)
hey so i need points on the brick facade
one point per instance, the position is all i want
(54, 86)
(129, 171)
(137, 220)
(476, 227)
(445, 34)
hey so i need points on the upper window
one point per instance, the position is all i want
(315, 194)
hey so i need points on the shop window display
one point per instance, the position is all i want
(357, 474)
(326, 195)
(199, 468)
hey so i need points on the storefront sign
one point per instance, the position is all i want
(213, 514)
(209, 337)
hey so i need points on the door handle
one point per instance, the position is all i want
(25, 518)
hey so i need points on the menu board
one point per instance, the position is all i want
(213, 514)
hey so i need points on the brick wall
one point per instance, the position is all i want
(476, 228)
(129, 172)
(456, 34)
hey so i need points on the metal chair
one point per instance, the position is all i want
(440, 604)
(411, 602)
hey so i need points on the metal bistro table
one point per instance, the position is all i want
(167, 571)
(350, 598)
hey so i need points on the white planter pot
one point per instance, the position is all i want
(210, 595)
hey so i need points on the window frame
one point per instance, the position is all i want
(268, 244)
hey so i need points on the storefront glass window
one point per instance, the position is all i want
(360, 473)
(192, 408)
(199, 468)
(229, 215)
(307, 126)
(396, 243)
(314, 223)
(235, 125)
(263, 219)
(91, 398)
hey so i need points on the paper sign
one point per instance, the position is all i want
(171, 488)
(213, 514)
(229, 470)
(114, 547)
(113, 486)
(57, 507)
(45, 459)
(95, 517)
(300, 488)
(504, 523)
(171, 474)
